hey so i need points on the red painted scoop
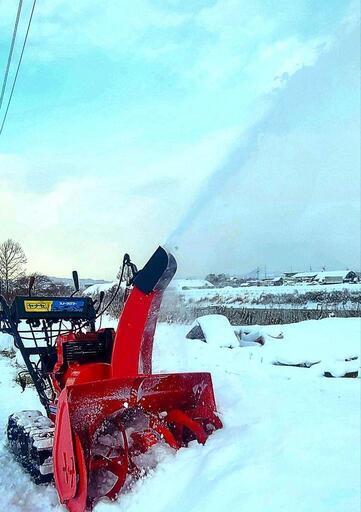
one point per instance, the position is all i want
(111, 416)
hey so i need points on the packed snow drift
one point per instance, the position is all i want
(290, 439)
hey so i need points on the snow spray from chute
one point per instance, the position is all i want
(269, 120)
(268, 117)
(233, 164)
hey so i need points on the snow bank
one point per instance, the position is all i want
(18, 493)
(290, 439)
(6, 342)
(307, 342)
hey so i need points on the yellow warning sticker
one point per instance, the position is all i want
(38, 306)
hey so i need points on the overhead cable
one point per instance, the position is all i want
(18, 68)
(11, 50)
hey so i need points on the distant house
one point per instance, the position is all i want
(95, 289)
(324, 277)
(266, 282)
(304, 277)
(287, 277)
(190, 284)
(336, 276)
(253, 283)
(278, 281)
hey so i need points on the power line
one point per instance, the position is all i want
(18, 68)
(10, 52)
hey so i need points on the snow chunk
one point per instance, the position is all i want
(341, 368)
(258, 335)
(217, 331)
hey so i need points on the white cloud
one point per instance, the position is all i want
(352, 15)
(105, 204)
(230, 19)
(89, 220)
(61, 28)
(290, 194)
(229, 39)
(13, 168)
(279, 61)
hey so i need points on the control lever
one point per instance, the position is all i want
(101, 298)
(76, 282)
(31, 284)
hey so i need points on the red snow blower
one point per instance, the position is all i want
(106, 411)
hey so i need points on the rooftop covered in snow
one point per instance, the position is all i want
(95, 289)
(190, 284)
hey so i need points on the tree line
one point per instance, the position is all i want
(14, 279)
(223, 280)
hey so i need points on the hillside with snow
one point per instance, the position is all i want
(309, 295)
(264, 304)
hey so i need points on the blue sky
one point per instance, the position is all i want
(125, 110)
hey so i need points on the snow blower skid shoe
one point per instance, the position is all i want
(112, 415)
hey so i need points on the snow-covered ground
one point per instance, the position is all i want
(291, 437)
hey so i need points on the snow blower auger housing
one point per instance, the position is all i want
(106, 411)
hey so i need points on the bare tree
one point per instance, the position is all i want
(12, 266)
(43, 286)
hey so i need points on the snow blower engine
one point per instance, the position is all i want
(105, 410)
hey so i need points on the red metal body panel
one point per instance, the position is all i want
(65, 373)
(64, 469)
(132, 353)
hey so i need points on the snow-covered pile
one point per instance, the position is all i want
(290, 439)
(249, 335)
(299, 349)
(216, 330)
(332, 347)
